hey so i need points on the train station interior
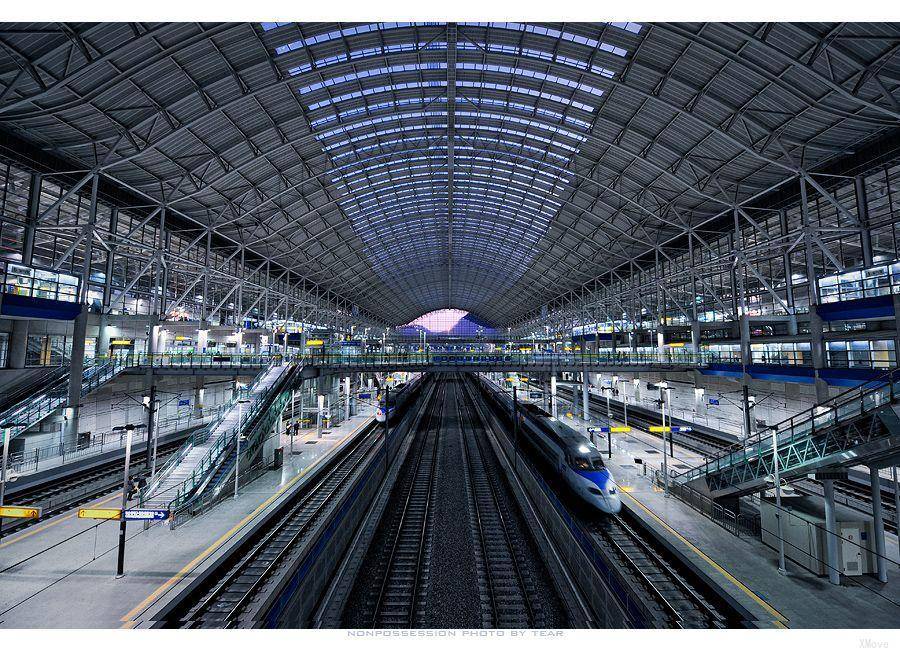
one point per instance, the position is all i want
(507, 327)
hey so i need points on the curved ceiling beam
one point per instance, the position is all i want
(708, 44)
(6, 113)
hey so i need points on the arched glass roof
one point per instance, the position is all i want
(415, 166)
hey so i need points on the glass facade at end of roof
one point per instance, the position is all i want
(449, 322)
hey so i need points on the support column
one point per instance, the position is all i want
(831, 542)
(862, 214)
(695, 336)
(347, 397)
(817, 346)
(18, 344)
(585, 394)
(554, 405)
(199, 396)
(103, 336)
(76, 376)
(878, 515)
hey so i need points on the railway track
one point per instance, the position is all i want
(399, 599)
(508, 598)
(223, 599)
(679, 604)
(63, 494)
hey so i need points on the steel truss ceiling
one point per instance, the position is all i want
(417, 166)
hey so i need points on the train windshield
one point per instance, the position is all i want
(592, 463)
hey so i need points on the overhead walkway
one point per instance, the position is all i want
(509, 361)
(858, 427)
(192, 478)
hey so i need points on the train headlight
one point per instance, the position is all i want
(584, 449)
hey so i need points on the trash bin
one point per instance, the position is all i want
(279, 458)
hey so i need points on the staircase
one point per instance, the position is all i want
(209, 451)
(859, 426)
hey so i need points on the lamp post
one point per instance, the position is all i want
(129, 436)
(664, 387)
(293, 425)
(387, 391)
(237, 447)
(781, 566)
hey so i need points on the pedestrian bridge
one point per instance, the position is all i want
(502, 362)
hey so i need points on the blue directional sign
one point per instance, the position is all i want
(146, 514)
(184, 402)
(365, 395)
(713, 402)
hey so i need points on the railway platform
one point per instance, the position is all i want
(742, 566)
(61, 573)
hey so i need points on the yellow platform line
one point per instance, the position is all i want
(129, 619)
(54, 523)
(780, 620)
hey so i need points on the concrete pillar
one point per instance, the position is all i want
(878, 514)
(18, 344)
(695, 336)
(554, 406)
(76, 377)
(585, 394)
(76, 370)
(792, 325)
(831, 542)
(347, 397)
(103, 337)
(661, 342)
(817, 346)
(199, 396)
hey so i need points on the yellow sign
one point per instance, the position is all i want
(660, 429)
(315, 342)
(676, 344)
(100, 514)
(20, 512)
(524, 380)
(122, 342)
(620, 429)
(510, 380)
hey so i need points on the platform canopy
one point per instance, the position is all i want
(420, 166)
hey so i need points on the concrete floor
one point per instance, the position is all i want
(61, 573)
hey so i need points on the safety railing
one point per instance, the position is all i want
(853, 403)
(189, 503)
(508, 359)
(736, 523)
(192, 360)
(223, 442)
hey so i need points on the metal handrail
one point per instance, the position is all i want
(223, 442)
(803, 424)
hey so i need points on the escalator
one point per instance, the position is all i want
(194, 478)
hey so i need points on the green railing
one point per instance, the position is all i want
(513, 359)
(190, 360)
(795, 432)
